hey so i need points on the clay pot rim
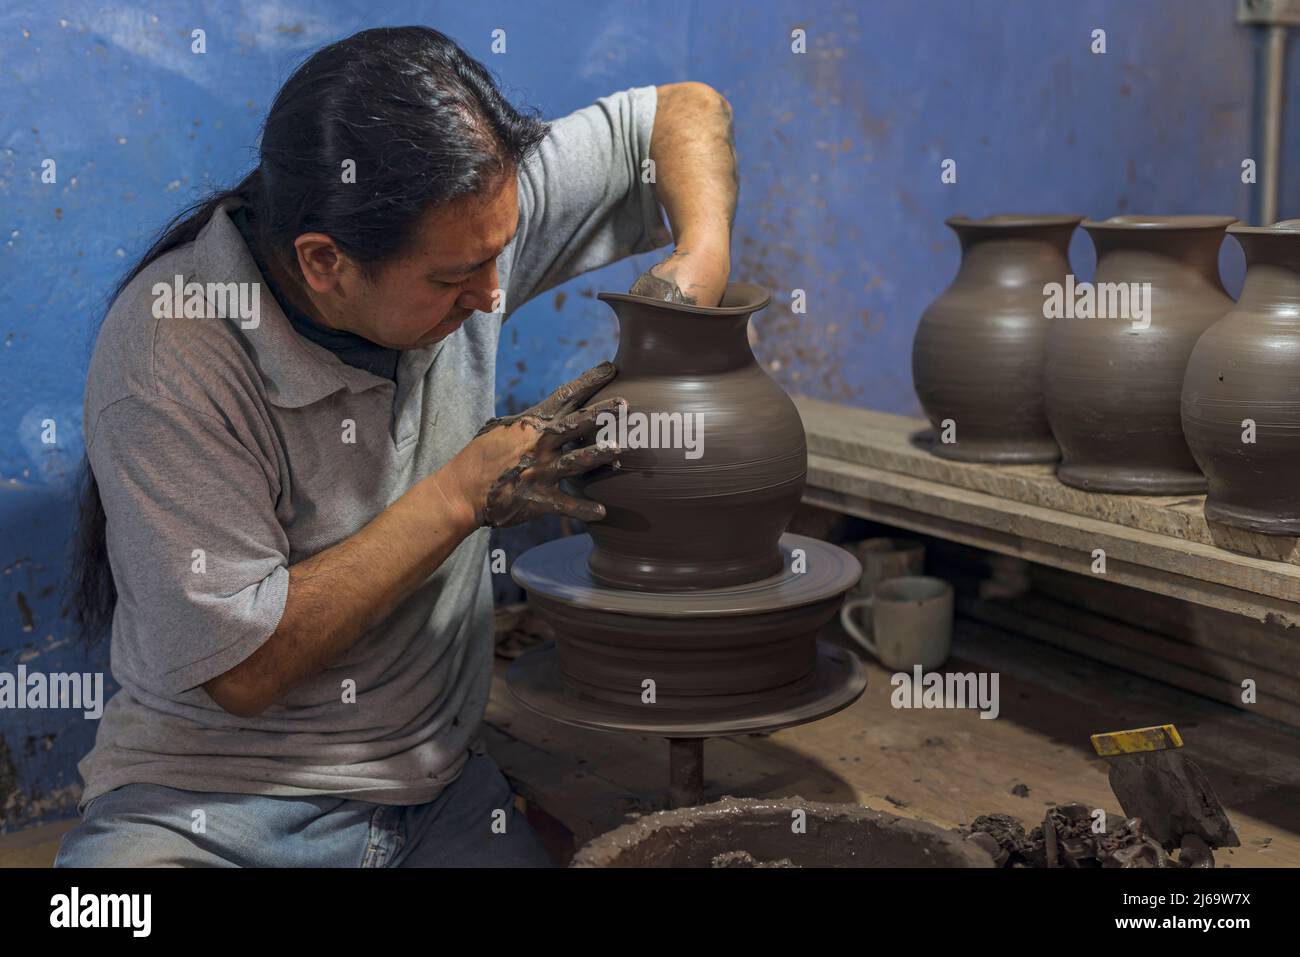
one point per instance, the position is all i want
(1158, 223)
(1014, 220)
(1283, 227)
(751, 298)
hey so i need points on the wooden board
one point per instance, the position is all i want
(1214, 676)
(890, 443)
(1206, 630)
(1193, 647)
(943, 766)
(1188, 570)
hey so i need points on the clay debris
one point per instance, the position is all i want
(1066, 839)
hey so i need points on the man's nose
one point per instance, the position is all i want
(482, 291)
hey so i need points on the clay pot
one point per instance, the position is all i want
(1113, 385)
(1247, 366)
(977, 359)
(675, 522)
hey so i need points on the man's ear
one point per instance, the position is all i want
(321, 261)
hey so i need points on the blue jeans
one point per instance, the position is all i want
(147, 825)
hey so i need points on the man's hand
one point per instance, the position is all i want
(693, 276)
(512, 470)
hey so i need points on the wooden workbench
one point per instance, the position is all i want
(942, 766)
(875, 465)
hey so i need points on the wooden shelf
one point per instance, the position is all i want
(874, 465)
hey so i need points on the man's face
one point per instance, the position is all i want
(449, 273)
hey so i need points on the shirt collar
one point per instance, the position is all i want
(295, 371)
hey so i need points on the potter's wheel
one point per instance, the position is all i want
(839, 679)
(735, 660)
(558, 571)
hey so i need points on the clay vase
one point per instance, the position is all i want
(675, 522)
(1114, 383)
(977, 359)
(1247, 366)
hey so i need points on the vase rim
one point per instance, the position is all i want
(1015, 220)
(740, 298)
(1284, 227)
(1151, 223)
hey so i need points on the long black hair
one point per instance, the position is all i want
(423, 123)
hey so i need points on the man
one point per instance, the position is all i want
(294, 504)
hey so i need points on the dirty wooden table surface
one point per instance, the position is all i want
(942, 766)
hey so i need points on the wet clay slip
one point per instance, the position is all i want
(1114, 387)
(756, 832)
(977, 359)
(676, 522)
(1244, 371)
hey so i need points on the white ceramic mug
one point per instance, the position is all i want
(911, 622)
(884, 558)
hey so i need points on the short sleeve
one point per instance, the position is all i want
(583, 200)
(198, 556)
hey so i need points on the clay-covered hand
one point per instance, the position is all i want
(512, 470)
(693, 276)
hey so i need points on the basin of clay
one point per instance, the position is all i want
(751, 832)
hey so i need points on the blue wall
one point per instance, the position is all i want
(841, 193)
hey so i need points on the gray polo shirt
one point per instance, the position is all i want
(221, 456)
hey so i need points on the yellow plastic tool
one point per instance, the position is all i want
(1160, 737)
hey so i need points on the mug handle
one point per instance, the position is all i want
(856, 632)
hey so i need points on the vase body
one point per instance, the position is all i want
(1114, 380)
(1241, 392)
(977, 359)
(680, 519)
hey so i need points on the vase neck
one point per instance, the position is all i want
(1023, 256)
(1012, 263)
(1270, 288)
(1159, 256)
(1272, 273)
(661, 342)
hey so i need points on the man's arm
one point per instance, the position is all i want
(509, 473)
(335, 596)
(583, 200)
(697, 182)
